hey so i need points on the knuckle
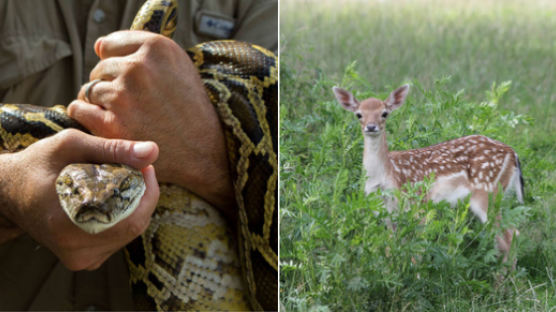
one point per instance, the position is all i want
(67, 137)
(135, 65)
(161, 47)
(135, 74)
(116, 150)
(155, 42)
(121, 95)
(110, 149)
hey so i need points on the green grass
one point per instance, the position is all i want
(459, 56)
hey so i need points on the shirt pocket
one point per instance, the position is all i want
(24, 55)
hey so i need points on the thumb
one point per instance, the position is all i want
(74, 146)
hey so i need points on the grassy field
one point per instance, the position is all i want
(476, 67)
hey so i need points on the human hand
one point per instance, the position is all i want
(150, 90)
(28, 194)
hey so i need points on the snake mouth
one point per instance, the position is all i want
(93, 213)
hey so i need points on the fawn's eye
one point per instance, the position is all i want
(358, 115)
(384, 114)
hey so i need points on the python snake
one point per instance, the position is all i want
(189, 257)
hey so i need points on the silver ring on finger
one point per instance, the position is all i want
(89, 87)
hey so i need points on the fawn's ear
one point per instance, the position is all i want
(396, 98)
(345, 98)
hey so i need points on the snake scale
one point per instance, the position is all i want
(190, 258)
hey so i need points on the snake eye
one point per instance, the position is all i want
(358, 115)
(384, 114)
(116, 192)
(65, 180)
(124, 185)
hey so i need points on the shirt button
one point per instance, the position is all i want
(99, 16)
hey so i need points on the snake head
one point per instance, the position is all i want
(96, 197)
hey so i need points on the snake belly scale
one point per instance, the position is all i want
(190, 257)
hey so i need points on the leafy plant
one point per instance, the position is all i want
(335, 250)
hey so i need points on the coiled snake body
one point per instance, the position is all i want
(188, 258)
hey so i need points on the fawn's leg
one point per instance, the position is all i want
(479, 206)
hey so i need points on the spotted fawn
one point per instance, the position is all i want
(474, 164)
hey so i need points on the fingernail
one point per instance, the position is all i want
(97, 45)
(142, 149)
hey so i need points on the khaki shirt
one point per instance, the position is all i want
(46, 47)
(46, 54)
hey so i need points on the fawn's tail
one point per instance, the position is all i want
(519, 185)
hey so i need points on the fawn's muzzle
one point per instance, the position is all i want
(372, 129)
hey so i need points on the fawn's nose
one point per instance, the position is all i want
(371, 128)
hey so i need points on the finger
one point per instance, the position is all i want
(121, 43)
(140, 219)
(107, 69)
(99, 91)
(93, 117)
(73, 146)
